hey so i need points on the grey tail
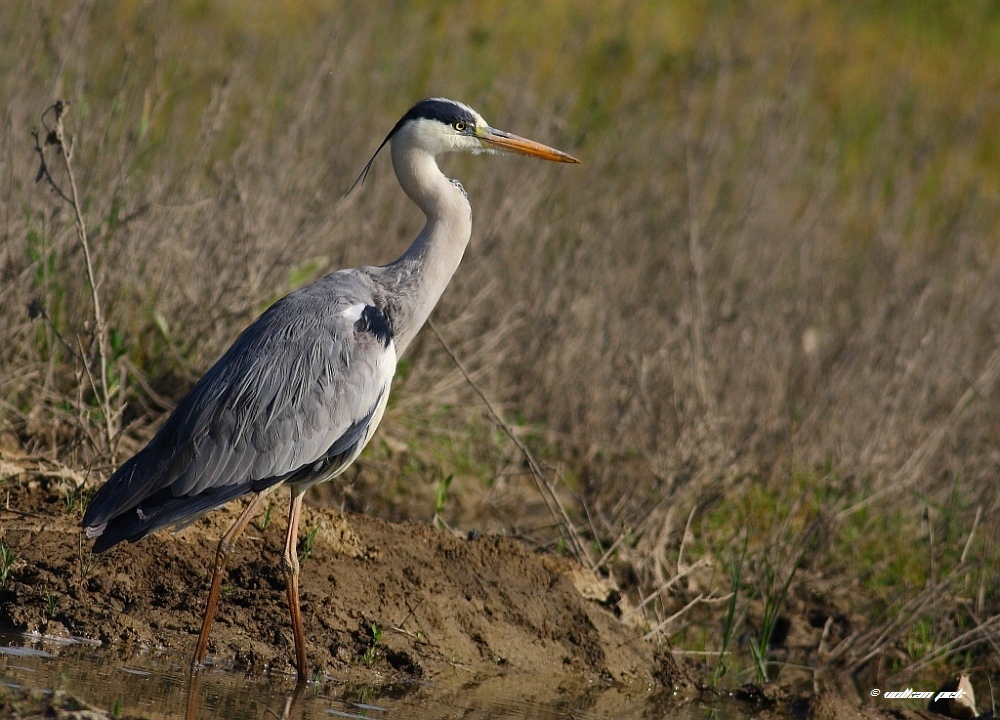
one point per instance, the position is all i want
(162, 509)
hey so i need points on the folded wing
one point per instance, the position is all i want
(295, 399)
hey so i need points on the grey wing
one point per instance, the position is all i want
(295, 399)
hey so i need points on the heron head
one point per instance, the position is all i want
(438, 125)
(441, 125)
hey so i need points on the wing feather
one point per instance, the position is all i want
(305, 385)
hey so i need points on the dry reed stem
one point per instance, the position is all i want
(908, 474)
(965, 641)
(555, 506)
(64, 149)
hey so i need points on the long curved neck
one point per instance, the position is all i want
(415, 282)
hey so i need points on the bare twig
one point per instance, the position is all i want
(966, 640)
(858, 649)
(703, 562)
(700, 598)
(552, 502)
(972, 534)
(56, 136)
(37, 309)
(681, 567)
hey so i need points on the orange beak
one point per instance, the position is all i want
(504, 141)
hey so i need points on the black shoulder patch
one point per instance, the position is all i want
(373, 322)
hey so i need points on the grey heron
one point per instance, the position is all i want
(298, 395)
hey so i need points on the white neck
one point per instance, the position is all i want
(418, 278)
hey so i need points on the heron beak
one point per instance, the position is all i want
(492, 138)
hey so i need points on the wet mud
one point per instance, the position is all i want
(393, 598)
(382, 602)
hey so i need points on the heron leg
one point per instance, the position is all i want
(290, 563)
(226, 544)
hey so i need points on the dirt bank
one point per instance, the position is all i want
(443, 604)
(460, 612)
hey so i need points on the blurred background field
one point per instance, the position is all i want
(753, 337)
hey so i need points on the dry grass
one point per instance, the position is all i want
(766, 303)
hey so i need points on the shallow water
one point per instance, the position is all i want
(157, 684)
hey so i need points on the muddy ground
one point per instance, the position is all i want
(448, 607)
(443, 603)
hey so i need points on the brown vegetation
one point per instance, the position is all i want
(760, 321)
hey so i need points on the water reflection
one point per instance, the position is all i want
(158, 684)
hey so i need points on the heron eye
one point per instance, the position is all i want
(459, 125)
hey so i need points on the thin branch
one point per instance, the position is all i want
(56, 136)
(703, 562)
(699, 599)
(37, 309)
(966, 640)
(552, 502)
